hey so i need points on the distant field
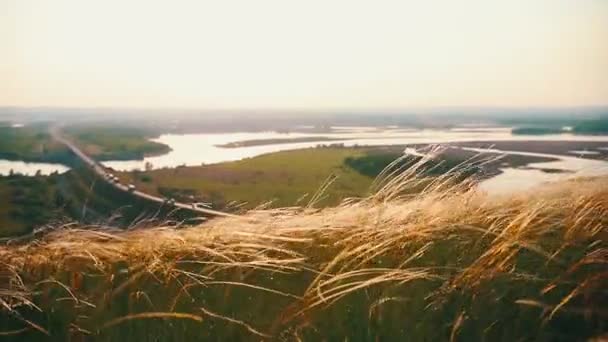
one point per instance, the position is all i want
(109, 142)
(292, 177)
(284, 177)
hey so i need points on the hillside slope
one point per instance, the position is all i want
(450, 263)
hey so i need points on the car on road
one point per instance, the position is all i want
(131, 187)
(201, 205)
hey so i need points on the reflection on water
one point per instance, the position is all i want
(512, 179)
(29, 169)
(197, 149)
(584, 152)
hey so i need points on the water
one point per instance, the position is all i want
(584, 152)
(513, 179)
(197, 149)
(29, 169)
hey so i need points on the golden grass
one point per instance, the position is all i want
(449, 263)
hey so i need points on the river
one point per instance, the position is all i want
(197, 149)
(515, 179)
(29, 169)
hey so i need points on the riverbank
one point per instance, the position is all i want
(290, 178)
(598, 149)
(198, 149)
(261, 142)
(103, 142)
(31, 144)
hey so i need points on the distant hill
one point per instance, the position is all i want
(589, 126)
(599, 126)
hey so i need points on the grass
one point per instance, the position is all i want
(26, 203)
(10, 227)
(287, 178)
(105, 142)
(31, 202)
(448, 263)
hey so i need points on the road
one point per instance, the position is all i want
(101, 172)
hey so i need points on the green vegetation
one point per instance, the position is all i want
(587, 126)
(31, 143)
(108, 142)
(30, 202)
(293, 177)
(27, 203)
(285, 177)
(536, 130)
(449, 264)
(598, 126)
(374, 161)
(103, 142)
(371, 164)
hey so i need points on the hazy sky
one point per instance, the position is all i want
(303, 54)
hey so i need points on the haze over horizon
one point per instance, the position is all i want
(306, 55)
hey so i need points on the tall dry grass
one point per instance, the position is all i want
(449, 263)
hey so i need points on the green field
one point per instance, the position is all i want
(291, 178)
(284, 177)
(109, 142)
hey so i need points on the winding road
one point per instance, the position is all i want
(55, 132)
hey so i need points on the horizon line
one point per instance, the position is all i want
(307, 109)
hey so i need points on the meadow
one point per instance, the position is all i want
(446, 263)
(285, 178)
(289, 178)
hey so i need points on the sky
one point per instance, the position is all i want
(310, 54)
